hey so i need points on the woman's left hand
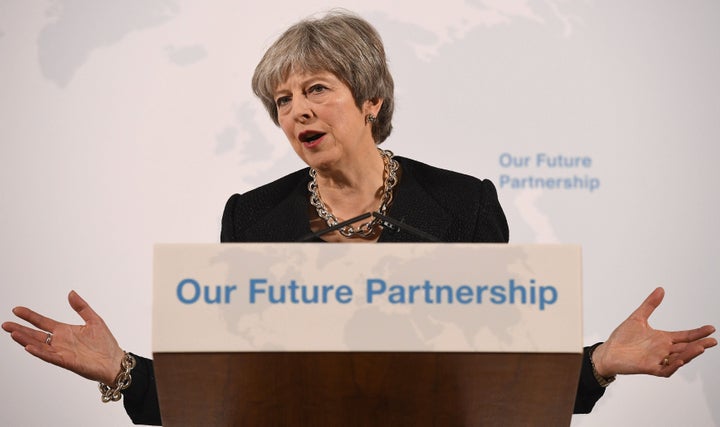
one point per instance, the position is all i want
(636, 348)
(89, 350)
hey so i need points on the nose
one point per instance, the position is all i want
(301, 109)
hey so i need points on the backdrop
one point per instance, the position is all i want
(126, 123)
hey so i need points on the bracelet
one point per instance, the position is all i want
(604, 382)
(122, 381)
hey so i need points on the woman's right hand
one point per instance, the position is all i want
(89, 350)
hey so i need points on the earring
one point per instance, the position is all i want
(370, 118)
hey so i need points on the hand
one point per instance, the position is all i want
(636, 348)
(89, 350)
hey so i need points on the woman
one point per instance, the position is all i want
(326, 83)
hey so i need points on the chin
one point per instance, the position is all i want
(321, 161)
(322, 166)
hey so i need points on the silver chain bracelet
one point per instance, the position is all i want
(122, 381)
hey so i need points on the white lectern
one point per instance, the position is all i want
(308, 334)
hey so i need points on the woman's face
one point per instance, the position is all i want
(318, 114)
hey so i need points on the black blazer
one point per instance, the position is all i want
(451, 206)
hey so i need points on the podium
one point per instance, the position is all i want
(367, 335)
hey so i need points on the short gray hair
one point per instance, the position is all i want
(339, 42)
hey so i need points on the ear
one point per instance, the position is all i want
(372, 106)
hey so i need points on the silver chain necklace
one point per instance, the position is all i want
(367, 229)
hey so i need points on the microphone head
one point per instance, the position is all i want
(388, 226)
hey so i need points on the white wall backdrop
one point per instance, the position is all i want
(126, 123)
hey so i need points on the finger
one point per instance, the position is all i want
(670, 368)
(28, 335)
(27, 340)
(22, 338)
(681, 347)
(35, 319)
(696, 348)
(650, 304)
(711, 342)
(81, 307)
(678, 348)
(9, 326)
(692, 334)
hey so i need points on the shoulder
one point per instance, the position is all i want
(467, 205)
(422, 170)
(255, 208)
(448, 187)
(269, 195)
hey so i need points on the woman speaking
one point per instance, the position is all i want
(326, 83)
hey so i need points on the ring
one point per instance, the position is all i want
(48, 339)
(665, 361)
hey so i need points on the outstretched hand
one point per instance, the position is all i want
(89, 350)
(636, 348)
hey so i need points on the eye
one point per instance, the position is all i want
(282, 101)
(316, 89)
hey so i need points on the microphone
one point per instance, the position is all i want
(396, 226)
(337, 226)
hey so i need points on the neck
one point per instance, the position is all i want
(349, 202)
(355, 188)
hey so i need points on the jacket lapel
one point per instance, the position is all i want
(288, 221)
(414, 206)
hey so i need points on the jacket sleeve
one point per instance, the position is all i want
(490, 223)
(589, 390)
(227, 233)
(141, 399)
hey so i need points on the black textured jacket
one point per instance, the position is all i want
(448, 205)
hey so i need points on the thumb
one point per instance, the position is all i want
(650, 304)
(81, 307)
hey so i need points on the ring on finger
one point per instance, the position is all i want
(665, 361)
(48, 338)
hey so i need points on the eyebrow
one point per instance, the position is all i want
(304, 82)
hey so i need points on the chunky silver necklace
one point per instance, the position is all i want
(367, 229)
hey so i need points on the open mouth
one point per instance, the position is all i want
(308, 137)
